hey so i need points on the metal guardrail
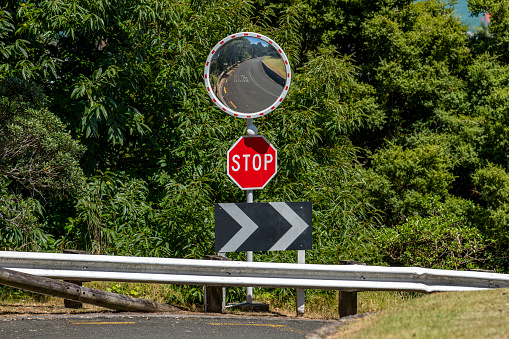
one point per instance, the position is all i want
(83, 267)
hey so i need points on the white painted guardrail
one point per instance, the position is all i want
(85, 267)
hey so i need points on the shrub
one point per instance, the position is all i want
(440, 240)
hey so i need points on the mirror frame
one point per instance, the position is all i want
(225, 108)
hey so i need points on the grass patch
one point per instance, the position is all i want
(324, 304)
(441, 315)
(276, 64)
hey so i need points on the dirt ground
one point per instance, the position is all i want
(55, 306)
(49, 306)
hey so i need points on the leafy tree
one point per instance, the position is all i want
(440, 90)
(36, 152)
(400, 178)
(496, 38)
(126, 78)
(492, 185)
(38, 161)
(394, 106)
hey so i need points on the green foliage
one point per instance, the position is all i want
(123, 288)
(397, 116)
(20, 226)
(329, 86)
(187, 295)
(492, 185)
(17, 89)
(498, 29)
(444, 96)
(13, 294)
(122, 68)
(113, 217)
(38, 161)
(38, 155)
(399, 178)
(438, 239)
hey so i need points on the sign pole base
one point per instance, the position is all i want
(254, 306)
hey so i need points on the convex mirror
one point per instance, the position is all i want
(247, 75)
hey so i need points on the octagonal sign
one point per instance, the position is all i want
(252, 162)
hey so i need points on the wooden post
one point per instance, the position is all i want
(214, 296)
(71, 291)
(348, 299)
(347, 303)
(72, 303)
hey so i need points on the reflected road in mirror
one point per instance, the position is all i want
(248, 88)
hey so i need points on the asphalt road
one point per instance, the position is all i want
(248, 89)
(157, 326)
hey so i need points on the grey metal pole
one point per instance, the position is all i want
(301, 294)
(249, 254)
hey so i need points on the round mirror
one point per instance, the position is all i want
(247, 75)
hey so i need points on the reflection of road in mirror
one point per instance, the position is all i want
(248, 88)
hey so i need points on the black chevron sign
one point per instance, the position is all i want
(271, 226)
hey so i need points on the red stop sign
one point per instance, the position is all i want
(252, 162)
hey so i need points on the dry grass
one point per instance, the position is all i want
(276, 64)
(443, 315)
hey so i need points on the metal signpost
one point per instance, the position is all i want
(247, 75)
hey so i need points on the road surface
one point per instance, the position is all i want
(157, 326)
(248, 89)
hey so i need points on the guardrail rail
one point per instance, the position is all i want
(83, 267)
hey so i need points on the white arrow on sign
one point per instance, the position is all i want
(298, 225)
(247, 225)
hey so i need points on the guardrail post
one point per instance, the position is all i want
(214, 295)
(71, 303)
(348, 299)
